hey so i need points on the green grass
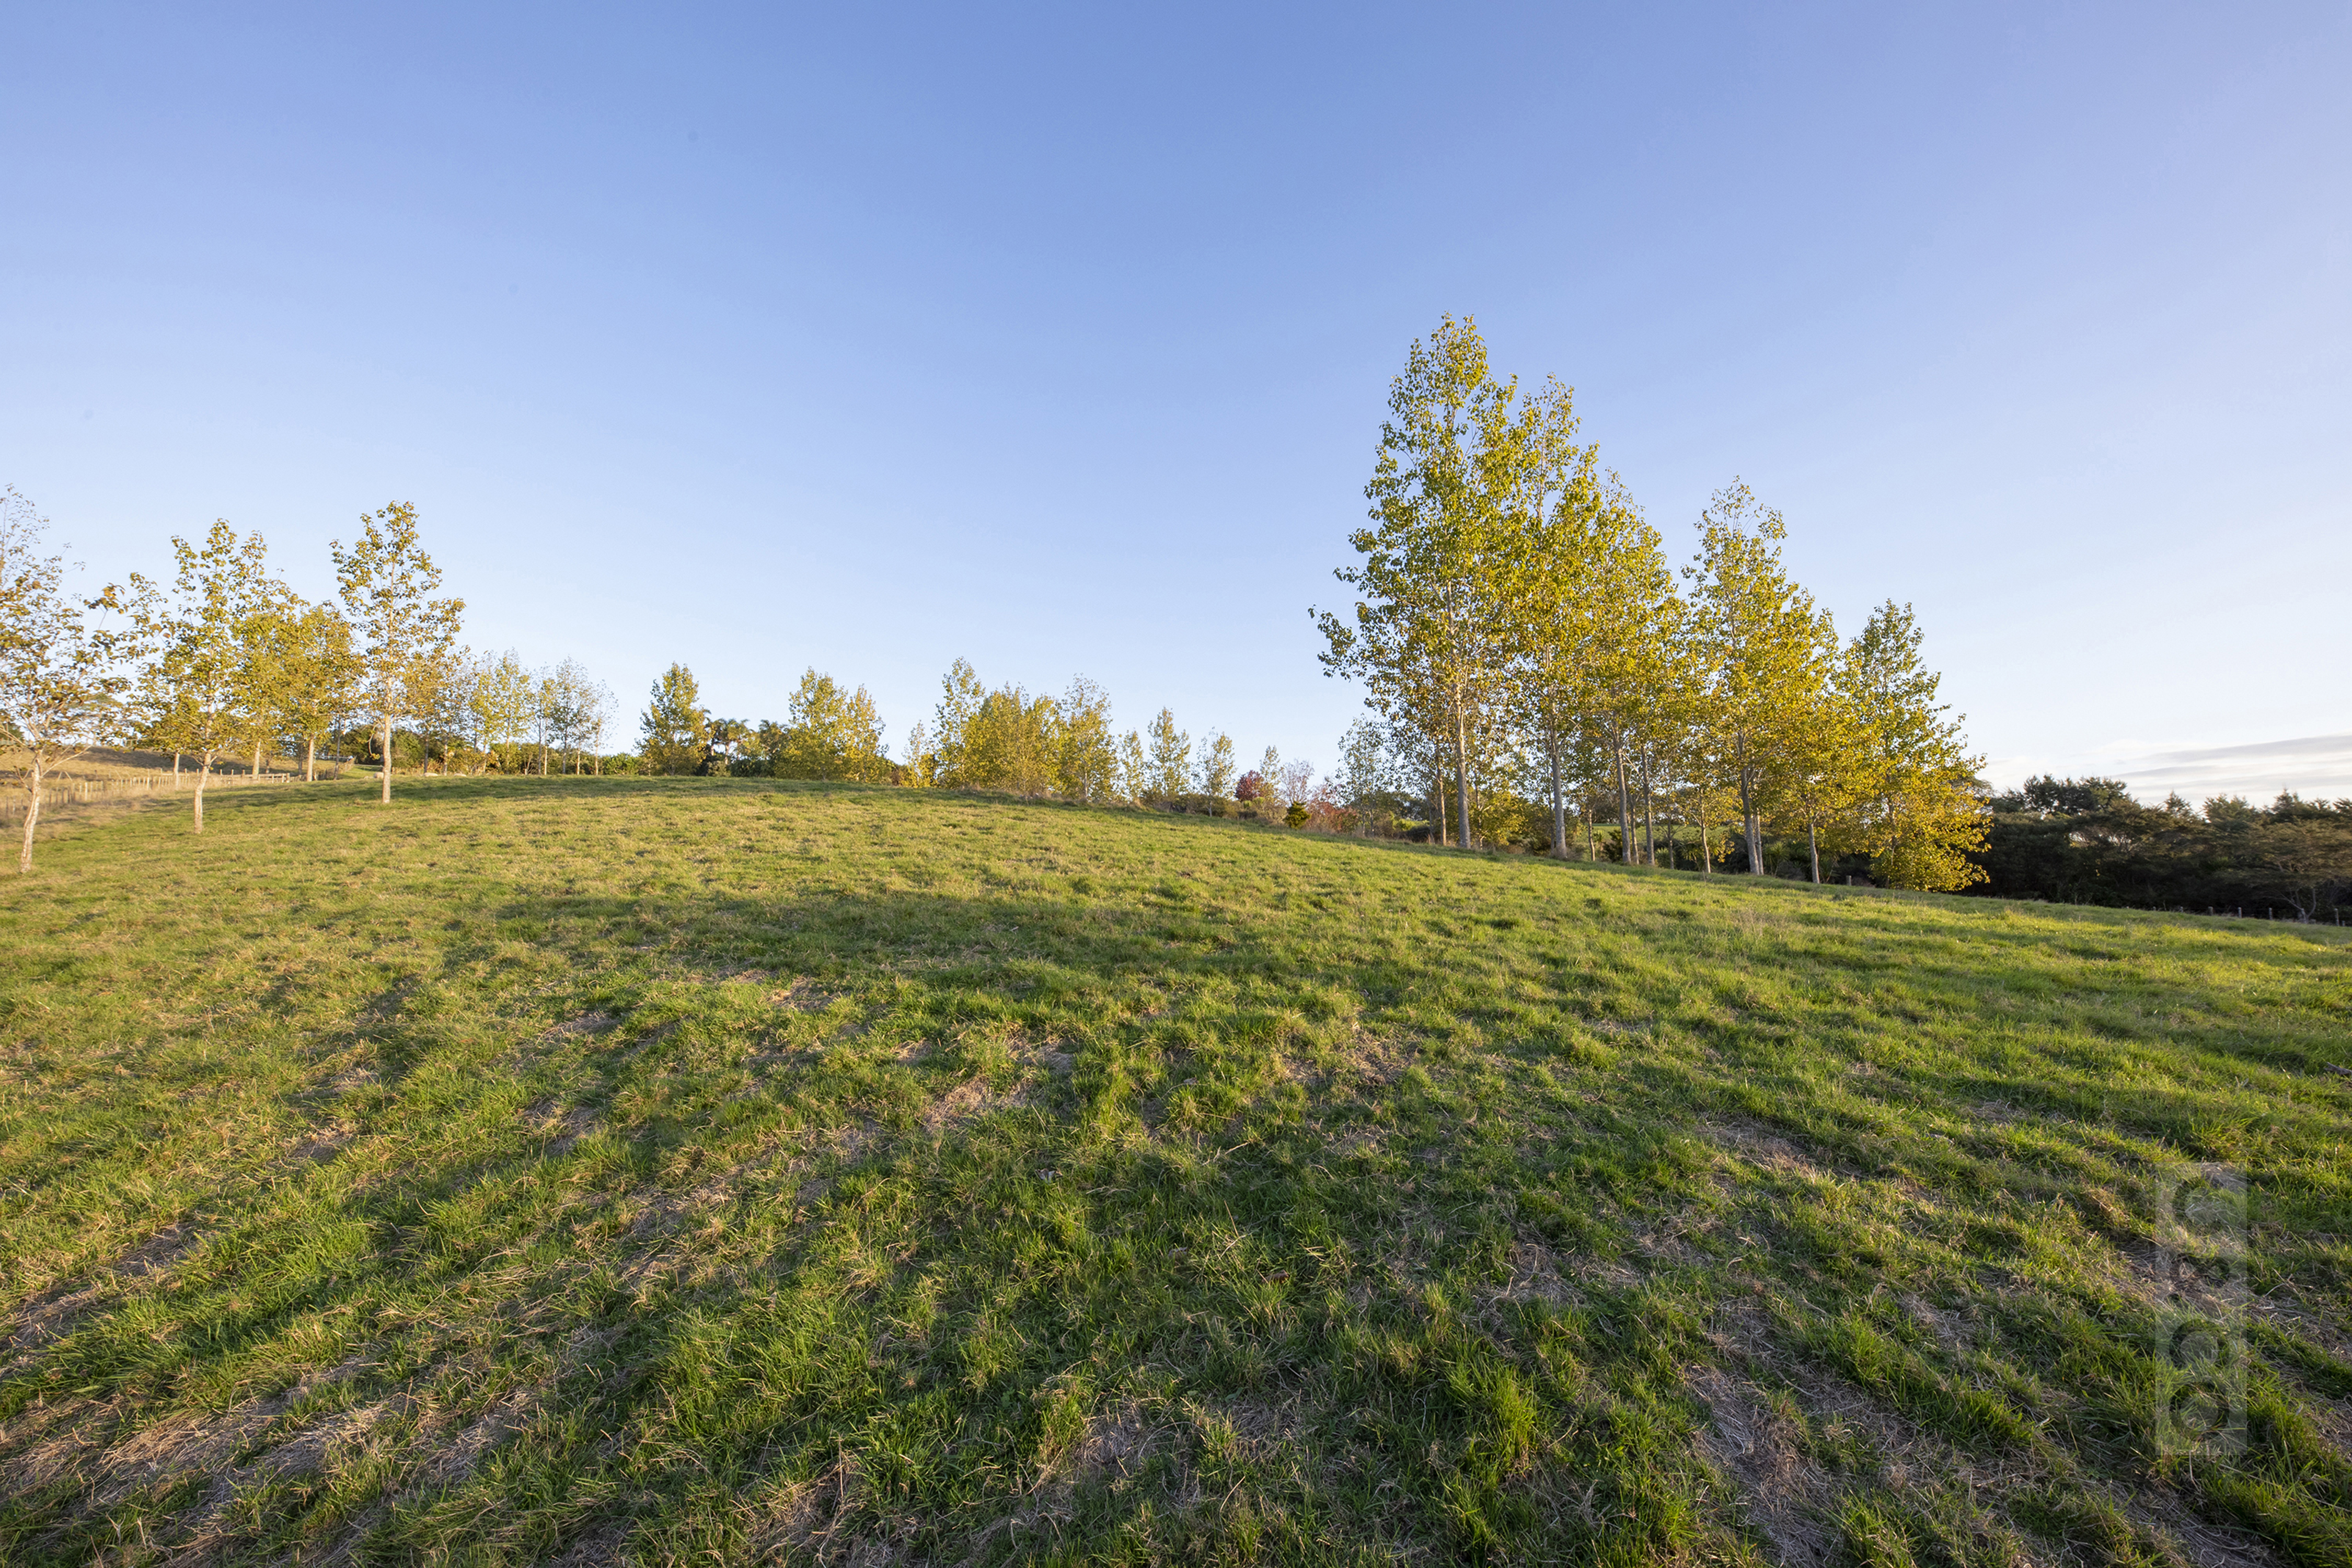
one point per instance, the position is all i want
(720, 1172)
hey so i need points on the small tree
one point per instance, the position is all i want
(1134, 769)
(319, 680)
(406, 637)
(676, 729)
(1170, 772)
(1923, 815)
(500, 701)
(1262, 785)
(1217, 765)
(1087, 764)
(921, 767)
(591, 710)
(833, 733)
(199, 691)
(1365, 772)
(61, 684)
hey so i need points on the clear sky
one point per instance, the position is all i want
(1058, 337)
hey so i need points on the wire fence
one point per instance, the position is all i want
(69, 790)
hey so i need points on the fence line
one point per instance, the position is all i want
(67, 791)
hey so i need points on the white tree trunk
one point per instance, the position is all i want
(1558, 803)
(32, 814)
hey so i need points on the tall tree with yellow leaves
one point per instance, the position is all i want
(1426, 632)
(1923, 812)
(1765, 652)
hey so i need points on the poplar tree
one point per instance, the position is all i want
(1086, 761)
(1272, 797)
(961, 695)
(1134, 769)
(61, 677)
(405, 636)
(1217, 765)
(1363, 775)
(1764, 649)
(833, 733)
(1429, 614)
(1168, 774)
(675, 729)
(1924, 815)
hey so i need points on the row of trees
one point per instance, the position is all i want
(2087, 841)
(1520, 634)
(222, 659)
(219, 658)
(829, 733)
(1003, 738)
(496, 713)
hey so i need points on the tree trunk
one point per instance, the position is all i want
(1649, 811)
(1437, 797)
(257, 759)
(203, 772)
(1748, 810)
(1706, 850)
(1626, 853)
(175, 770)
(310, 759)
(1558, 803)
(383, 737)
(1814, 843)
(1462, 778)
(1584, 810)
(32, 814)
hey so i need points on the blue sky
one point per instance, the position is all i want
(1057, 338)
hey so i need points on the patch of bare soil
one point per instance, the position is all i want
(561, 1124)
(1784, 1497)
(1763, 1148)
(802, 997)
(969, 1102)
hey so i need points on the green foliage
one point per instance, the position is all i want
(833, 733)
(404, 631)
(2087, 841)
(1217, 776)
(1168, 771)
(1518, 631)
(675, 730)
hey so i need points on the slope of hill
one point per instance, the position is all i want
(652, 1170)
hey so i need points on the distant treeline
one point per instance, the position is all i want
(1003, 738)
(2087, 841)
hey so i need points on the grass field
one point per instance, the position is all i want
(682, 1171)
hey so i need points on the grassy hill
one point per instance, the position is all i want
(663, 1171)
